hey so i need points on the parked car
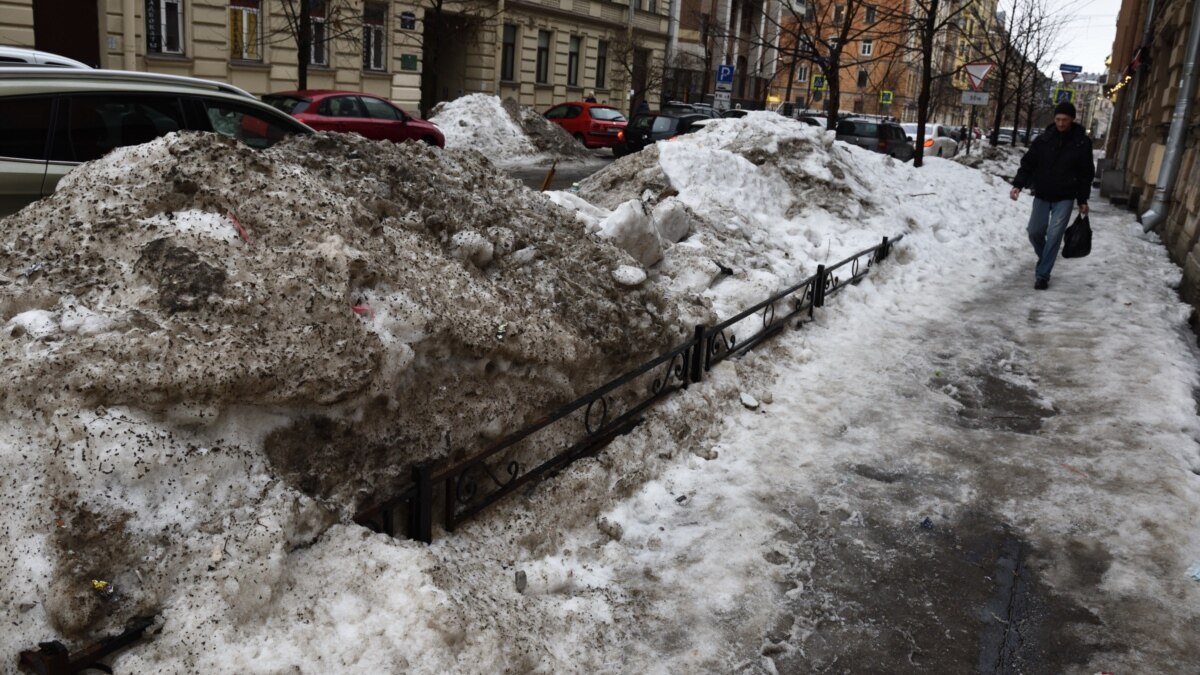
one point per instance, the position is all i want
(595, 125)
(876, 135)
(735, 112)
(52, 119)
(24, 57)
(649, 128)
(812, 120)
(681, 108)
(352, 111)
(939, 139)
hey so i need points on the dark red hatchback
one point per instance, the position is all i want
(595, 125)
(352, 111)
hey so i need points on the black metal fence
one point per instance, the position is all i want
(594, 419)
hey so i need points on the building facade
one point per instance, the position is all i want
(414, 53)
(1146, 76)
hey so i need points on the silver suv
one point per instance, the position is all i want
(876, 135)
(53, 119)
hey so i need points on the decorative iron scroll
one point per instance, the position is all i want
(473, 484)
(602, 414)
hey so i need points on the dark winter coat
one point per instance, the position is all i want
(1058, 166)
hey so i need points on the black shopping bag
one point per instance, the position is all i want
(1077, 242)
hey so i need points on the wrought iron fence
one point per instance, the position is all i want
(588, 423)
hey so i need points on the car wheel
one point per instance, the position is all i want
(939, 152)
(430, 140)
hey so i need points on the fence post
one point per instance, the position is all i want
(884, 250)
(696, 367)
(819, 289)
(420, 525)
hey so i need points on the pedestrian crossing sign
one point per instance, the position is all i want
(1064, 95)
(819, 83)
(885, 97)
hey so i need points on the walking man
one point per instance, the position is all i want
(1058, 168)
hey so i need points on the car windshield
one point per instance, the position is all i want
(663, 125)
(288, 104)
(607, 114)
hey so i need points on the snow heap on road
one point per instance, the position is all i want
(1000, 160)
(206, 343)
(214, 355)
(744, 207)
(504, 131)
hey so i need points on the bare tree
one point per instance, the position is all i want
(817, 32)
(335, 20)
(635, 70)
(929, 22)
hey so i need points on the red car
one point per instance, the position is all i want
(594, 124)
(348, 111)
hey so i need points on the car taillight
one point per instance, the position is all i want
(929, 142)
(621, 135)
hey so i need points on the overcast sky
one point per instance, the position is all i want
(1088, 35)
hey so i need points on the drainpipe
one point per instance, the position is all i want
(129, 39)
(1176, 137)
(1126, 132)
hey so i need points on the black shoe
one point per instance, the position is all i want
(1041, 284)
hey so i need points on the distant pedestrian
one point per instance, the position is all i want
(643, 107)
(591, 98)
(1058, 167)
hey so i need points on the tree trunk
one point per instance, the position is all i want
(303, 45)
(928, 23)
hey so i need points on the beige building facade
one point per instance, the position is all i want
(539, 52)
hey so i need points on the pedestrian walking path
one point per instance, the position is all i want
(1007, 484)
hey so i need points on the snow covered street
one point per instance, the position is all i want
(946, 471)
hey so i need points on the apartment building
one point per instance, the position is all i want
(710, 33)
(414, 52)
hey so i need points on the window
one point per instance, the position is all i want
(319, 49)
(869, 14)
(654, 6)
(862, 79)
(839, 12)
(802, 73)
(866, 48)
(543, 57)
(377, 109)
(573, 61)
(508, 52)
(374, 37)
(601, 63)
(245, 30)
(558, 112)
(164, 26)
(833, 42)
(250, 126)
(24, 127)
(341, 106)
(96, 124)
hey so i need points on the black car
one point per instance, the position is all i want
(649, 128)
(876, 135)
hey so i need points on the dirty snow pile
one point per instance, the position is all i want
(744, 207)
(504, 131)
(192, 414)
(212, 353)
(1000, 160)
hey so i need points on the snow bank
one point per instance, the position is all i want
(505, 132)
(213, 353)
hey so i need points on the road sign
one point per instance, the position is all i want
(1063, 95)
(1068, 78)
(885, 97)
(819, 83)
(721, 100)
(975, 98)
(1068, 68)
(977, 72)
(725, 77)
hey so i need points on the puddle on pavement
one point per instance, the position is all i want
(991, 399)
(948, 597)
